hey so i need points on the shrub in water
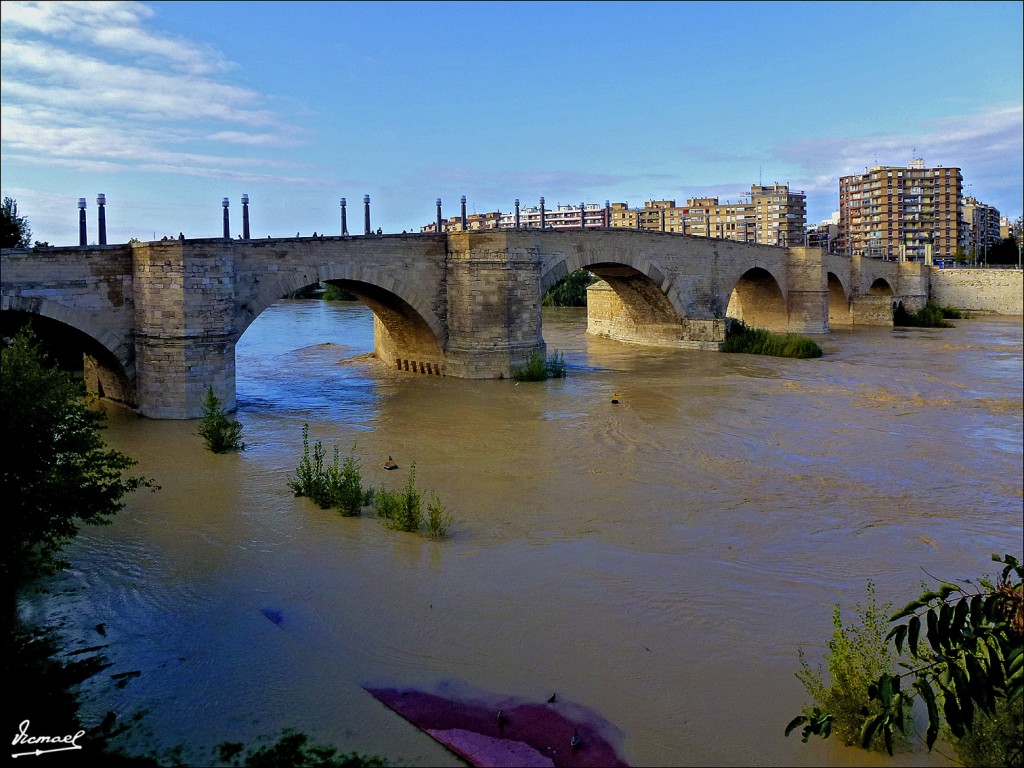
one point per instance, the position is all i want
(556, 366)
(539, 369)
(220, 433)
(857, 655)
(438, 518)
(336, 486)
(931, 315)
(347, 485)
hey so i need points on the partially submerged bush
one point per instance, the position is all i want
(931, 315)
(539, 369)
(338, 486)
(401, 510)
(438, 518)
(220, 433)
(758, 341)
(857, 655)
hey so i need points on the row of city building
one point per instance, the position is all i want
(887, 212)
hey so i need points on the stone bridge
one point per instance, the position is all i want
(159, 321)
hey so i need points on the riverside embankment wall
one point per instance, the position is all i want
(995, 291)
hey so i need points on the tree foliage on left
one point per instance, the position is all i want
(58, 473)
(14, 229)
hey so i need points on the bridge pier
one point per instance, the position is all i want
(494, 319)
(184, 338)
(640, 322)
(807, 290)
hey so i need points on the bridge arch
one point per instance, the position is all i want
(631, 275)
(116, 347)
(108, 360)
(757, 299)
(838, 301)
(407, 332)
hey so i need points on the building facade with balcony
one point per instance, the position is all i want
(891, 210)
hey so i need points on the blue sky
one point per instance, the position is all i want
(167, 108)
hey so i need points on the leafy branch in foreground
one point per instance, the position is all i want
(966, 660)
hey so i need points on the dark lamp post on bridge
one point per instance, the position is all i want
(82, 237)
(517, 213)
(101, 203)
(607, 214)
(245, 217)
(463, 201)
(227, 224)
(438, 227)
(542, 213)
(583, 216)
(366, 214)
(344, 222)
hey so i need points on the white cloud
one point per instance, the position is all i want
(115, 26)
(88, 86)
(987, 146)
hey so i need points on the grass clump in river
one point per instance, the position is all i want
(931, 315)
(758, 341)
(538, 369)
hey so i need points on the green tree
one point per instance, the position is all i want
(1004, 252)
(571, 292)
(14, 229)
(966, 661)
(220, 433)
(58, 473)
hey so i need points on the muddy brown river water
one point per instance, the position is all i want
(659, 561)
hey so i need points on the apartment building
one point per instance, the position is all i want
(771, 215)
(825, 235)
(562, 216)
(474, 221)
(893, 207)
(981, 228)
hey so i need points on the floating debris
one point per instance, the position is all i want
(390, 463)
(525, 734)
(274, 615)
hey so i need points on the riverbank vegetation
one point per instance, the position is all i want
(538, 368)
(758, 341)
(340, 486)
(931, 315)
(220, 433)
(958, 649)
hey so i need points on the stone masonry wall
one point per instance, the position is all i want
(997, 291)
